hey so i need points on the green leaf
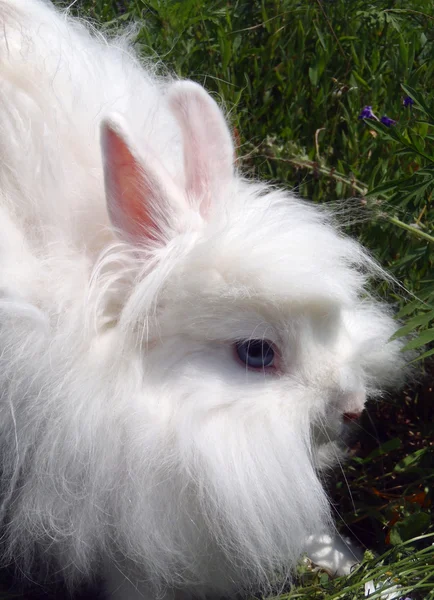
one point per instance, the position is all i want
(409, 461)
(320, 36)
(313, 74)
(385, 448)
(410, 527)
(422, 339)
(412, 324)
(419, 101)
(393, 134)
(409, 308)
(360, 80)
(385, 187)
(426, 354)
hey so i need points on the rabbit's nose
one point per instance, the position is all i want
(350, 417)
(352, 404)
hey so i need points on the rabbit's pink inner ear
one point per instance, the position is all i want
(131, 189)
(208, 147)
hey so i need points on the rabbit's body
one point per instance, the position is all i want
(130, 432)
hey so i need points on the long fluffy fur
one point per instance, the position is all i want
(127, 429)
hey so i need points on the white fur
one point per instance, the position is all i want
(129, 433)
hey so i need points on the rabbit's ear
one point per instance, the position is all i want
(208, 146)
(140, 193)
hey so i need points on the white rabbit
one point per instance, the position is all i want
(179, 345)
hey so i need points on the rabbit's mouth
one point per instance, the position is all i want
(325, 434)
(338, 431)
(332, 443)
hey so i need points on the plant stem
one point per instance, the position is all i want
(410, 228)
(359, 187)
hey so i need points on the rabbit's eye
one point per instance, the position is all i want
(256, 354)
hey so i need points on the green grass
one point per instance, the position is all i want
(294, 76)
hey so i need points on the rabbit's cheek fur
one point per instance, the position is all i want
(310, 355)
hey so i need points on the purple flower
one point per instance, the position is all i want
(408, 102)
(367, 113)
(387, 121)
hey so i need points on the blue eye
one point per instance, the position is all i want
(256, 354)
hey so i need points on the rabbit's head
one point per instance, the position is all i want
(256, 342)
